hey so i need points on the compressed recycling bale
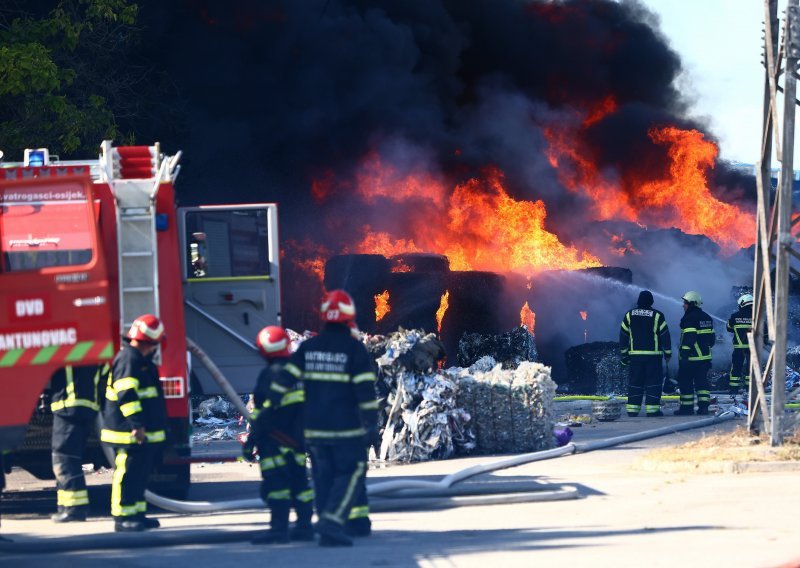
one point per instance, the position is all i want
(510, 348)
(363, 276)
(595, 368)
(420, 262)
(501, 411)
(474, 300)
(414, 298)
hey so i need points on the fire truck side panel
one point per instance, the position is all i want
(54, 289)
(231, 286)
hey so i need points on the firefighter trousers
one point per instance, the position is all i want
(284, 485)
(358, 520)
(70, 433)
(645, 378)
(132, 468)
(338, 471)
(693, 379)
(740, 368)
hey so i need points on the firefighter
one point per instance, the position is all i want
(134, 422)
(697, 339)
(278, 436)
(643, 340)
(358, 521)
(74, 403)
(340, 413)
(739, 324)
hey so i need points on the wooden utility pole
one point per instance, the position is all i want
(770, 308)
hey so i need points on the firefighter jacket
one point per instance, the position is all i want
(739, 324)
(644, 331)
(76, 391)
(134, 399)
(339, 384)
(697, 335)
(282, 421)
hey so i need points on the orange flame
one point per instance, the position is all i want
(382, 305)
(444, 303)
(527, 318)
(400, 266)
(682, 199)
(482, 228)
(307, 256)
(583, 315)
(621, 246)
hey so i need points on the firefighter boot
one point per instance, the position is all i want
(358, 527)
(147, 522)
(684, 410)
(702, 408)
(278, 532)
(303, 529)
(332, 534)
(129, 524)
(69, 515)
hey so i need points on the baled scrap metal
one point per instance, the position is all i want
(422, 421)
(512, 408)
(509, 348)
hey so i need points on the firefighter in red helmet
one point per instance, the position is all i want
(340, 413)
(278, 437)
(135, 422)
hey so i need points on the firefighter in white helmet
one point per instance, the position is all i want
(277, 436)
(697, 339)
(739, 324)
(135, 421)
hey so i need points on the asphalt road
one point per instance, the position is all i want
(625, 515)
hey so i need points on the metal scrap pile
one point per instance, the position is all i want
(512, 408)
(217, 419)
(437, 414)
(422, 420)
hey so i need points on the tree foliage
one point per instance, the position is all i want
(64, 79)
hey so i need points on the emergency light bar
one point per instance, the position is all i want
(37, 157)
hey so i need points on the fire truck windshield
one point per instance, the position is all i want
(44, 228)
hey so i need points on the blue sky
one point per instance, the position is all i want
(719, 42)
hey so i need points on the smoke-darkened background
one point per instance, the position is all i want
(488, 130)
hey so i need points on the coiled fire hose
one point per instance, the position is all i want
(449, 491)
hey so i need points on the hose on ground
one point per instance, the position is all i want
(405, 493)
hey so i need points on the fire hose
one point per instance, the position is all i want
(449, 491)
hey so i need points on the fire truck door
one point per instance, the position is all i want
(231, 286)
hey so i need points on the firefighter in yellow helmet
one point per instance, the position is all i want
(739, 324)
(697, 339)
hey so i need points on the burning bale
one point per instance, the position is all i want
(595, 368)
(512, 409)
(364, 276)
(509, 348)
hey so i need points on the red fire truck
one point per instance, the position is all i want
(85, 247)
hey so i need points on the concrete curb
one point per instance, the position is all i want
(717, 466)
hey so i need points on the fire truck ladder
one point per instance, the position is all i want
(135, 173)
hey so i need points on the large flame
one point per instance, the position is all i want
(444, 303)
(527, 318)
(382, 305)
(481, 228)
(682, 199)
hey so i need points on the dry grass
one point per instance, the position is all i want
(736, 446)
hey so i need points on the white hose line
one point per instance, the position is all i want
(410, 485)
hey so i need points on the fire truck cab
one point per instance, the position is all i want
(86, 247)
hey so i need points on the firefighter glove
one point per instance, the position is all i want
(249, 449)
